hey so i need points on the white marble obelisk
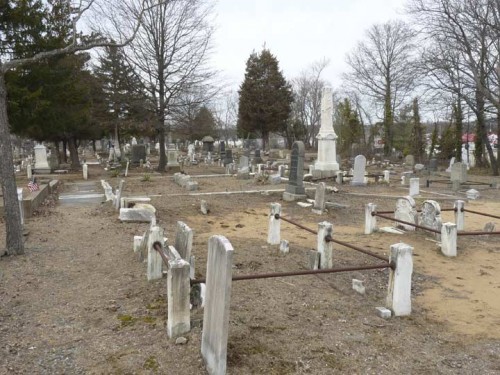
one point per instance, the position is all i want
(326, 165)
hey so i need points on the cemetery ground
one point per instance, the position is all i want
(78, 301)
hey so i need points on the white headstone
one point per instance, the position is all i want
(358, 178)
(399, 291)
(430, 216)
(414, 187)
(406, 211)
(41, 162)
(327, 139)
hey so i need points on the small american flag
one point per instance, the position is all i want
(33, 186)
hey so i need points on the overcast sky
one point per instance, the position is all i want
(297, 32)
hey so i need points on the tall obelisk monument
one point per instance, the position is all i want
(326, 165)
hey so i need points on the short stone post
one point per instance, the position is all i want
(155, 265)
(281, 169)
(178, 289)
(217, 302)
(340, 177)
(399, 291)
(325, 246)
(273, 236)
(21, 208)
(459, 214)
(449, 239)
(29, 171)
(85, 171)
(370, 220)
(387, 176)
(184, 240)
(137, 243)
(284, 247)
(119, 192)
(414, 187)
(126, 168)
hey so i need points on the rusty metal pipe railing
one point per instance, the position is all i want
(476, 233)
(329, 238)
(158, 247)
(301, 273)
(407, 223)
(480, 213)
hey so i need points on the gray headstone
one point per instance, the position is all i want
(184, 240)
(358, 178)
(319, 197)
(430, 216)
(138, 154)
(433, 165)
(459, 172)
(296, 177)
(410, 160)
(243, 162)
(228, 159)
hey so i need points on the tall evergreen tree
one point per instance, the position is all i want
(417, 146)
(123, 95)
(265, 98)
(349, 127)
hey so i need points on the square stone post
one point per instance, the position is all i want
(449, 239)
(29, 171)
(85, 171)
(273, 236)
(178, 289)
(459, 214)
(370, 220)
(325, 247)
(119, 194)
(399, 291)
(387, 176)
(137, 243)
(155, 261)
(340, 177)
(217, 301)
(21, 208)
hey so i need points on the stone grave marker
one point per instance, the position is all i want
(452, 161)
(358, 178)
(410, 160)
(41, 161)
(295, 188)
(138, 154)
(430, 216)
(319, 199)
(459, 172)
(406, 211)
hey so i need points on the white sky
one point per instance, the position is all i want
(297, 32)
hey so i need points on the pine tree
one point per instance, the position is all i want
(350, 128)
(265, 98)
(417, 144)
(458, 119)
(122, 93)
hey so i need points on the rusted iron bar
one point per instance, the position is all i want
(476, 233)
(407, 223)
(300, 273)
(391, 212)
(448, 209)
(277, 216)
(481, 213)
(367, 252)
(158, 247)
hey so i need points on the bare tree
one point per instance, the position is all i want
(78, 42)
(383, 68)
(465, 34)
(306, 109)
(170, 53)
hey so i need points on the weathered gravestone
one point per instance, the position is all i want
(410, 160)
(257, 158)
(172, 156)
(228, 159)
(222, 151)
(433, 165)
(295, 188)
(459, 172)
(430, 217)
(41, 162)
(358, 178)
(406, 211)
(452, 161)
(319, 199)
(138, 154)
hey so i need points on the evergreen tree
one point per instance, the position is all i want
(125, 102)
(265, 98)
(417, 144)
(458, 119)
(349, 127)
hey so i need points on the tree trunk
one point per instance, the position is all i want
(13, 226)
(73, 153)
(65, 149)
(388, 121)
(480, 130)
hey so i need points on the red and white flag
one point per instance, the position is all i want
(33, 186)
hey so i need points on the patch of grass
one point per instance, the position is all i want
(333, 362)
(127, 320)
(149, 319)
(146, 177)
(151, 364)
(114, 172)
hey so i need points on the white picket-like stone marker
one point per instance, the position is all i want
(459, 214)
(119, 192)
(218, 298)
(184, 240)
(319, 199)
(273, 236)
(126, 169)
(178, 288)
(325, 248)
(414, 187)
(387, 176)
(370, 220)
(399, 291)
(85, 169)
(21, 208)
(449, 239)
(155, 261)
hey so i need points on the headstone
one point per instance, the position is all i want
(399, 290)
(358, 178)
(459, 172)
(410, 160)
(133, 142)
(406, 211)
(191, 152)
(387, 176)
(433, 165)
(172, 156)
(243, 162)
(257, 158)
(295, 188)
(452, 161)
(184, 240)
(414, 187)
(472, 194)
(85, 171)
(216, 312)
(139, 213)
(229, 157)
(430, 217)
(319, 199)
(138, 154)
(41, 161)
(178, 290)
(222, 152)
